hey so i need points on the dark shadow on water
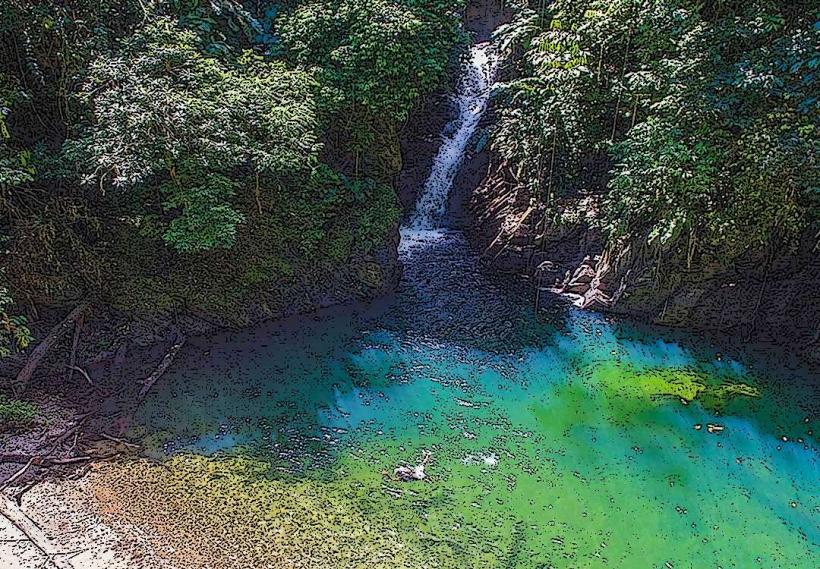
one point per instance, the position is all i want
(271, 389)
(267, 384)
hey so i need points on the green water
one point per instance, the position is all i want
(561, 439)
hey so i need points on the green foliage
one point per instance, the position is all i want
(708, 113)
(206, 221)
(666, 184)
(15, 169)
(159, 104)
(379, 55)
(269, 270)
(15, 413)
(375, 221)
(15, 165)
(541, 119)
(14, 332)
(306, 236)
(166, 154)
(164, 110)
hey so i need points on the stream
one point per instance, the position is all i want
(559, 438)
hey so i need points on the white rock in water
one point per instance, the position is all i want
(487, 459)
(408, 473)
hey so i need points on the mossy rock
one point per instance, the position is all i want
(653, 384)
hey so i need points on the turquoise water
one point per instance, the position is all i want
(557, 439)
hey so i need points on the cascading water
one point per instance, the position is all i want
(471, 99)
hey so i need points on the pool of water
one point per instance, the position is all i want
(557, 439)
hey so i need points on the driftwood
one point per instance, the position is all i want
(35, 535)
(42, 461)
(67, 433)
(119, 440)
(36, 356)
(39, 461)
(161, 369)
(83, 373)
(14, 477)
(18, 495)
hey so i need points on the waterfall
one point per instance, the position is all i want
(471, 100)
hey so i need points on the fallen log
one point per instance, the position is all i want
(163, 366)
(22, 380)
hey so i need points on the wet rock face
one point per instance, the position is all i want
(779, 304)
(420, 142)
(482, 17)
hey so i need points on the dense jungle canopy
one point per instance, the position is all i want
(148, 146)
(167, 154)
(705, 114)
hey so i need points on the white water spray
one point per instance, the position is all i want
(471, 98)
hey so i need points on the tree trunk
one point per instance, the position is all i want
(23, 378)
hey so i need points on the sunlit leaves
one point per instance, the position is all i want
(708, 112)
(207, 221)
(161, 102)
(161, 107)
(666, 183)
(14, 332)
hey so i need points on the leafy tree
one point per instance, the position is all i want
(376, 55)
(163, 110)
(144, 143)
(708, 114)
